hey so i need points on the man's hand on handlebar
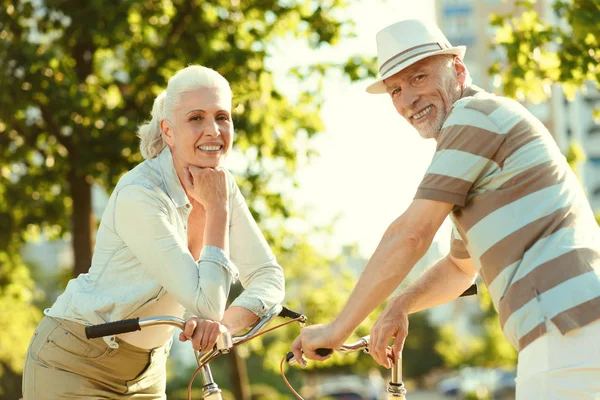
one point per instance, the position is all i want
(202, 332)
(392, 323)
(312, 338)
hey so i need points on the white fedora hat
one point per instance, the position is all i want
(406, 42)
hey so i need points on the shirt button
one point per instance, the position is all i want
(185, 227)
(187, 206)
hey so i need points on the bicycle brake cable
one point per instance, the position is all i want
(288, 384)
(189, 392)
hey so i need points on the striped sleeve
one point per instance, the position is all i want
(458, 249)
(468, 144)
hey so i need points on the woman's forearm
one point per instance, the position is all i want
(216, 231)
(236, 319)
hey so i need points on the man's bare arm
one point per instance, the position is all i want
(403, 244)
(440, 284)
(445, 281)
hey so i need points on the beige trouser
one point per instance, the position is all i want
(557, 367)
(62, 364)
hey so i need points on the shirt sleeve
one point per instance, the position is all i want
(467, 150)
(458, 249)
(143, 222)
(259, 273)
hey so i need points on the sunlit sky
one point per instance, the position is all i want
(371, 161)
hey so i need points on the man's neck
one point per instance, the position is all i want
(470, 90)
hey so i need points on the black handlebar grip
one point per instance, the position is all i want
(289, 356)
(470, 291)
(287, 313)
(323, 352)
(112, 328)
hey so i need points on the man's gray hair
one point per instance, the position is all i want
(187, 79)
(447, 59)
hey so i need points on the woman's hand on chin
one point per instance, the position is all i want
(208, 186)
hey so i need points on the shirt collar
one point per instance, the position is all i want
(472, 91)
(169, 175)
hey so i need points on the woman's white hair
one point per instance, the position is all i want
(187, 79)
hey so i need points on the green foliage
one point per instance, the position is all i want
(419, 355)
(78, 78)
(18, 317)
(575, 154)
(265, 392)
(181, 394)
(317, 286)
(575, 157)
(539, 54)
(487, 347)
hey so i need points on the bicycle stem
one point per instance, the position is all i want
(224, 344)
(395, 387)
(209, 386)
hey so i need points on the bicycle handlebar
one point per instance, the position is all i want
(360, 344)
(287, 313)
(136, 324)
(395, 387)
(363, 343)
(472, 290)
(112, 328)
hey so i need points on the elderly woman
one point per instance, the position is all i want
(176, 233)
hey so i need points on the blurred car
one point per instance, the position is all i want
(348, 387)
(481, 382)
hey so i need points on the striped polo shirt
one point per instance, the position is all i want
(519, 213)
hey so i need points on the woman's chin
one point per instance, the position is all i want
(207, 163)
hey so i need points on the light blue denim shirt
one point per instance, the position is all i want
(141, 253)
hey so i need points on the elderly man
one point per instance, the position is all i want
(521, 222)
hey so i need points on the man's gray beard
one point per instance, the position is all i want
(432, 131)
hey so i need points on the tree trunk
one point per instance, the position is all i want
(83, 222)
(239, 376)
(10, 382)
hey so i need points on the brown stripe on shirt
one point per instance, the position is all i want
(439, 182)
(578, 316)
(441, 195)
(485, 106)
(471, 139)
(512, 247)
(543, 278)
(458, 249)
(530, 336)
(520, 135)
(462, 233)
(527, 182)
